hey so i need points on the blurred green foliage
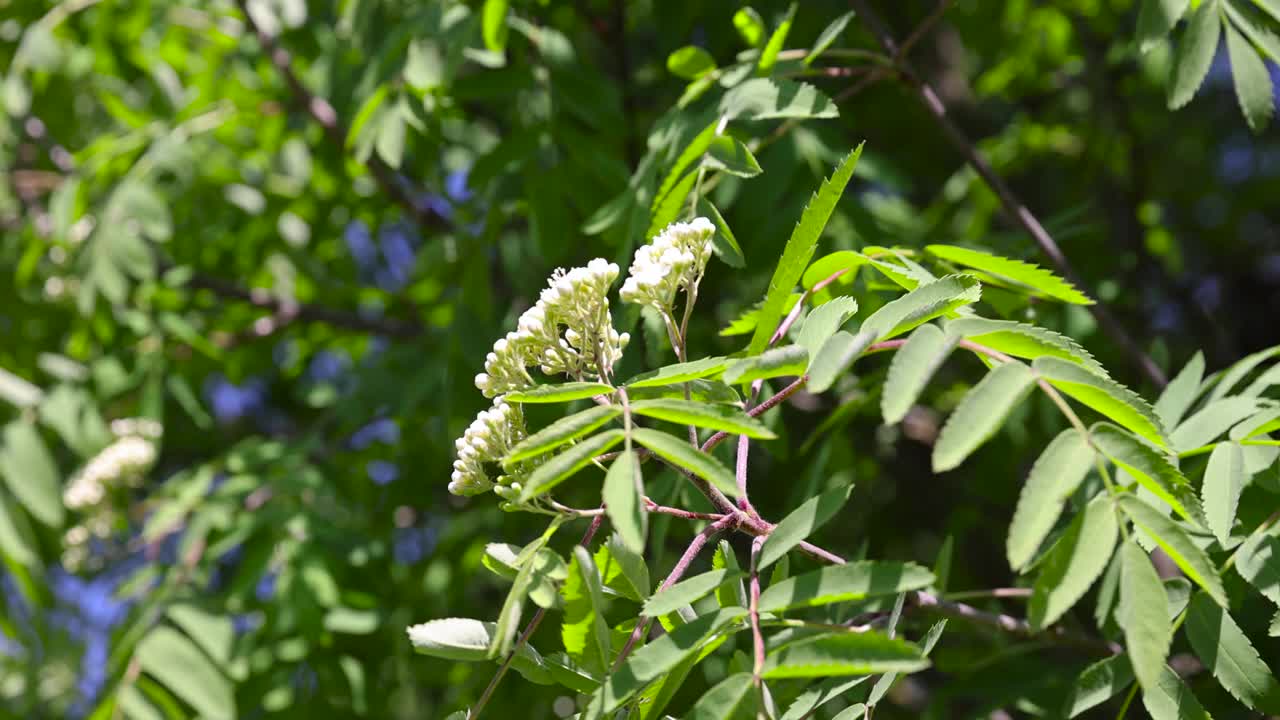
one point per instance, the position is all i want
(289, 232)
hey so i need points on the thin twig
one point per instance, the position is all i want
(534, 622)
(682, 565)
(1013, 206)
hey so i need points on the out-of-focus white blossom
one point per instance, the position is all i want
(674, 260)
(124, 461)
(569, 330)
(485, 442)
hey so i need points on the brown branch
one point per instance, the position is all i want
(1013, 206)
(324, 114)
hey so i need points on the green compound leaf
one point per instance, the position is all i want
(1193, 55)
(623, 496)
(1258, 562)
(800, 246)
(838, 654)
(791, 360)
(564, 392)
(1224, 478)
(1150, 468)
(561, 467)
(1074, 562)
(776, 99)
(679, 453)
(679, 373)
(687, 591)
(584, 631)
(1143, 617)
(801, 522)
(730, 155)
(928, 301)
(1212, 421)
(1098, 683)
(172, 659)
(1223, 647)
(1177, 544)
(981, 413)
(1171, 699)
(836, 355)
(912, 367)
(562, 431)
(1104, 395)
(1015, 274)
(715, 417)
(31, 473)
(1022, 340)
(1181, 392)
(829, 35)
(842, 583)
(823, 322)
(1054, 477)
(1252, 81)
(726, 700)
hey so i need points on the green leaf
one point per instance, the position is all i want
(836, 355)
(679, 453)
(1170, 698)
(981, 413)
(564, 392)
(215, 634)
(1258, 562)
(926, 302)
(824, 267)
(1014, 274)
(172, 659)
(1211, 421)
(716, 417)
(769, 56)
(1228, 379)
(724, 701)
(1224, 478)
(1053, 479)
(1181, 392)
(690, 62)
(494, 25)
(668, 208)
(621, 570)
(829, 35)
(1098, 683)
(623, 497)
(1143, 617)
(501, 559)
(790, 360)
(1194, 53)
(31, 473)
(824, 321)
(679, 373)
(730, 155)
(560, 467)
(1151, 469)
(848, 653)
(1252, 81)
(1104, 395)
(16, 540)
(843, 583)
(750, 26)
(800, 246)
(584, 632)
(800, 523)
(1177, 545)
(566, 672)
(687, 591)
(562, 431)
(723, 242)
(1073, 563)
(1022, 340)
(651, 661)
(776, 99)
(733, 594)
(912, 366)
(821, 694)
(1155, 19)
(1255, 28)
(1224, 648)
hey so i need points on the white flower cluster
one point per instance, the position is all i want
(486, 441)
(588, 346)
(126, 460)
(675, 259)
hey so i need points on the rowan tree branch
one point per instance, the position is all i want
(1013, 206)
